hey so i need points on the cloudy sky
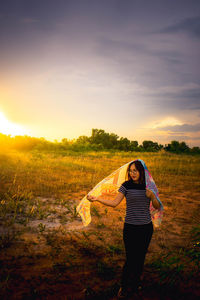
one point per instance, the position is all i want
(131, 67)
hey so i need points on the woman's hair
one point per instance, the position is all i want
(140, 168)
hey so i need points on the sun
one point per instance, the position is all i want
(9, 128)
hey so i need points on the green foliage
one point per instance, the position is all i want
(72, 210)
(177, 147)
(150, 146)
(98, 141)
(41, 227)
(14, 202)
(169, 269)
(95, 212)
(196, 233)
(194, 252)
(99, 136)
(7, 239)
(101, 225)
(115, 249)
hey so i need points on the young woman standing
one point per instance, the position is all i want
(138, 227)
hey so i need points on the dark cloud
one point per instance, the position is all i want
(177, 98)
(191, 141)
(173, 106)
(185, 138)
(111, 46)
(185, 132)
(179, 137)
(149, 63)
(189, 25)
(182, 128)
(185, 94)
(197, 138)
(180, 134)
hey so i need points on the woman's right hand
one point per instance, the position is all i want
(91, 198)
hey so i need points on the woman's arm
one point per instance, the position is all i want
(112, 203)
(152, 197)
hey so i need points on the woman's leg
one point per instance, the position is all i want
(143, 237)
(136, 241)
(127, 268)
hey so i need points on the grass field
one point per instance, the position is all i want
(46, 253)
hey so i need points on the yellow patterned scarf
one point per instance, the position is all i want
(108, 189)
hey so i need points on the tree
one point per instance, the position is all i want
(134, 145)
(124, 144)
(113, 138)
(150, 146)
(83, 139)
(195, 150)
(177, 147)
(99, 136)
(183, 147)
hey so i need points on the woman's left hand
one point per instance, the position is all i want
(149, 193)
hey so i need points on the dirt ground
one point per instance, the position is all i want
(57, 258)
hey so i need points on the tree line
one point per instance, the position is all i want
(98, 141)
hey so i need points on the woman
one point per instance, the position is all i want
(138, 227)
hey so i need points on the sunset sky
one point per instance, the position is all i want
(131, 67)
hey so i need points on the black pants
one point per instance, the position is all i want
(136, 241)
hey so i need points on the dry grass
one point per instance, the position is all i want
(45, 251)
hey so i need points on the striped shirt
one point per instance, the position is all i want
(137, 204)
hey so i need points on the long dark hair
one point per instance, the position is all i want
(140, 168)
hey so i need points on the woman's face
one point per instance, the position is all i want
(134, 173)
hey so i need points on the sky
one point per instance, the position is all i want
(129, 67)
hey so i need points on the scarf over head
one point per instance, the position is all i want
(108, 189)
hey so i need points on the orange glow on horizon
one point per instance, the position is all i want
(9, 128)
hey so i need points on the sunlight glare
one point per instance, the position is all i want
(9, 128)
